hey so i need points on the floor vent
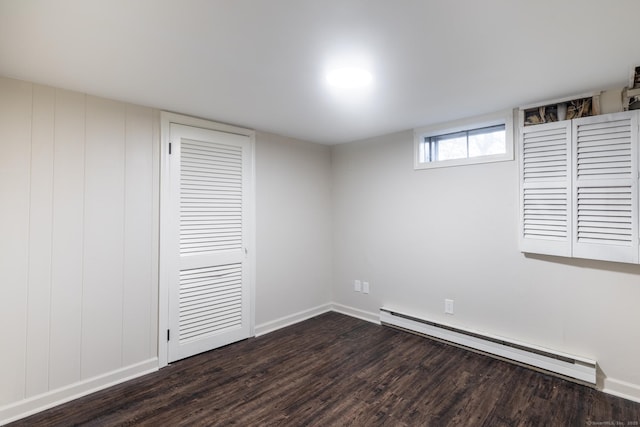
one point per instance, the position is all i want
(565, 365)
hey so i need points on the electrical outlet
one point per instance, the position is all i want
(365, 287)
(448, 306)
(357, 285)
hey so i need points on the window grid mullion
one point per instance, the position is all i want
(466, 134)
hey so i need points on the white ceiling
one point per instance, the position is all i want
(260, 63)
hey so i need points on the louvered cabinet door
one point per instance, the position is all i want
(545, 192)
(605, 212)
(209, 294)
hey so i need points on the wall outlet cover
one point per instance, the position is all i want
(448, 306)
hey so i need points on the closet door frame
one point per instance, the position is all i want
(166, 119)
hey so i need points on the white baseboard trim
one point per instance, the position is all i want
(35, 404)
(294, 318)
(291, 319)
(356, 312)
(622, 389)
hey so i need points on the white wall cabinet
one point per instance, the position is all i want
(579, 188)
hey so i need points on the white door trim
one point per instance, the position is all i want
(166, 119)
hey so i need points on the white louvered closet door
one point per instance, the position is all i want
(605, 187)
(545, 183)
(209, 290)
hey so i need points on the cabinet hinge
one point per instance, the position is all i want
(168, 334)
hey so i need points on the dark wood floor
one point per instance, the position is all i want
(335, 370)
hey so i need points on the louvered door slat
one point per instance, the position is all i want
(558, 162)
(601, 144)
(607, 126)
(222, 235)
(549, 148)
(222, 229)
(615, 136)
(605, 187)
(545, 195)
(603, 172)
(617, 159)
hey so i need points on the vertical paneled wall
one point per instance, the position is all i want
(78, 237)
(15, 185)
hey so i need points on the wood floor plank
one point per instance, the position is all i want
(334, 370)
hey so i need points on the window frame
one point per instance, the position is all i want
(465, 125)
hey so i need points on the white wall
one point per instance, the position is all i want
(422, 236)
(293, 227)
(78, 246)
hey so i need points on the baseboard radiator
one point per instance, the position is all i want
(568, 366)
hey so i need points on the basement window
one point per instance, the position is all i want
(481, 140)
